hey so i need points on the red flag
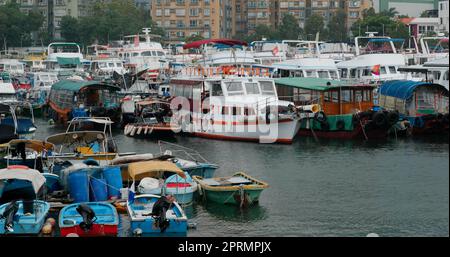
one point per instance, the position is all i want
(275, 51)
(376, 70)
(136, 40)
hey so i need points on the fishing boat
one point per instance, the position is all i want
(154, 119)
(347, 109)
(12, 66)
(182, 188)
(140, 212)
(7, 91)
(41, 84)
(28, 152)
(152, 175)
(239, 189)
(80, 98)
(23, 217)
(64, 58)
(423, 106)
(89, 220)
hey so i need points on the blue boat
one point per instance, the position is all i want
(15, 188)
(194, 168)
(140, 213)
(23, 126)
(182, 188)
(23, 217)
(89, 219)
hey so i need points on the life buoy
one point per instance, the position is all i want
(321, 117)
(379, 118)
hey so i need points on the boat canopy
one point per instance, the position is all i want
(375, 40)
(36, 145)
(24, 173)
(97, 120)
(77, 85)
(229, 42)
(76, 136)
(139, 170)
(404, 89)
(316, 84)
(68, 60)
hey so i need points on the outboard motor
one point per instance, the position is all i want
(159, 213)
(88, 216)
(8, 215)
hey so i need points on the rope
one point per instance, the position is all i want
(363, 129)
(242, 194)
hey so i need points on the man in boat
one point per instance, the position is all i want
(159, 211)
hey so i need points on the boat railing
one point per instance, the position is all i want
(225, 71)
(188, 152)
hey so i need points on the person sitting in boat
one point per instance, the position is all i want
(8, 215)
(159, 211)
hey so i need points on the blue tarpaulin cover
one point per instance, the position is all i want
(402, 89)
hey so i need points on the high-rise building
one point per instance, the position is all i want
(184, 18)
(412, 8)
(443, 16)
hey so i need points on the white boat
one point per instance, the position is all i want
(106, 66)
(428, 49)
(41, 84)
(12, 66)
(64, 57)
(147, 55)
(236, 108)
(7, 91)
(373, 52)
(307, 68)
(435, 71)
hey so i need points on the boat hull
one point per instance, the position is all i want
(95, 231)
(26, 225)
(233, 196)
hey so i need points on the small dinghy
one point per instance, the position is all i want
(23, 217)
(240, 189)
(182, 188)
(89, 219)
(153, 214)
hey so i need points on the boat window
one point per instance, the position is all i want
(358, 96)
(366, 95)
(234, 88)
(331, 96)
(334, 75)
(436, 75)
(160, 53)
(154, 53)
(383, 70)
(353, 73)
(111, 65)
(344, 73)
(310, 74)
(367, 72)
(323, 74)
(252, 88)
(267, 87)
(392, 70)
(249, 111)
(135, 54)
(346, 96)
(425, 100)
(102, 65)
(234, 110)
(298, 74)
(225, 110)
(216, 89)
(146, 53)
(445, 76)
(119, 64)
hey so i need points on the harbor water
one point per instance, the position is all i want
(325, 188)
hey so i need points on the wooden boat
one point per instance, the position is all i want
(423, 106)
(80, 98)
(24, 217)
(154, 120)
(100, 219)
(240, 189)
(182, 188)
(140, 212)
(347, 110)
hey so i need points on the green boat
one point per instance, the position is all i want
(239, 189)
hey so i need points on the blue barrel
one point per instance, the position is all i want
(99, 192)
(79, 186)
(113, 177)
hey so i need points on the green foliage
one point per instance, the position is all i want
(383, 23)
(16, 26)
(337, 30)
(193, 38)
(289, 28)
(313, 25)
(108, 21)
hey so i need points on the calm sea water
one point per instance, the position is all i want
(326, 188)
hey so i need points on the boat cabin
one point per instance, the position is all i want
(335, 97)
(12, 66)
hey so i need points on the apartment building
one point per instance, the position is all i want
(184, 18)
(443, 16)
(412, 8)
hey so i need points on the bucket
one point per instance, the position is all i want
(79, 186)
(113, 176)
(98, 190)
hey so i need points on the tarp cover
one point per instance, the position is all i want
(404, 89)
(68, 61)
(34, 176)
(139, 170)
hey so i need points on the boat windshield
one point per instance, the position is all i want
(234, 88)
(267, 88)
(252, 88)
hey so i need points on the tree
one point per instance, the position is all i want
(289, 28)
(16, 26)
(381, 23)
(313, 25)
(337, 30)
(391, 12)
(193, 38)
(69, 29)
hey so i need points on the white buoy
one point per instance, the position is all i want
(139, 130)
(372, 235)
(146, 130)
(133, 131)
